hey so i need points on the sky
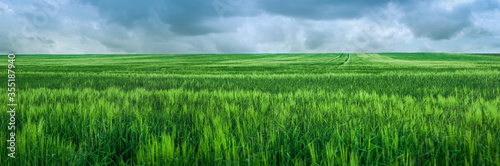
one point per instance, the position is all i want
(248, 26)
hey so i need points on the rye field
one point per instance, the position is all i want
(255, 109)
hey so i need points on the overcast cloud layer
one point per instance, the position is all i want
(258, 26)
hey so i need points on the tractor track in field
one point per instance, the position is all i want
(347, 60)
(335, 58)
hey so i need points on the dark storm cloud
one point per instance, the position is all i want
(189, 18)
(322, 9)
(183, 17)
(437, 25)
(127, 13)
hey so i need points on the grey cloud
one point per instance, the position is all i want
(5, 45)
(191, 18)
(437, 23)
(126, 13)
(194, 26)
(496, 44)
(475, 32)
(314, 39)
(322, 9)
(233, 47)
(186, 18)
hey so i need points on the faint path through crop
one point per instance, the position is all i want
(335, 59)
(347, 60)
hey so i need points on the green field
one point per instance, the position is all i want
(255, 109)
